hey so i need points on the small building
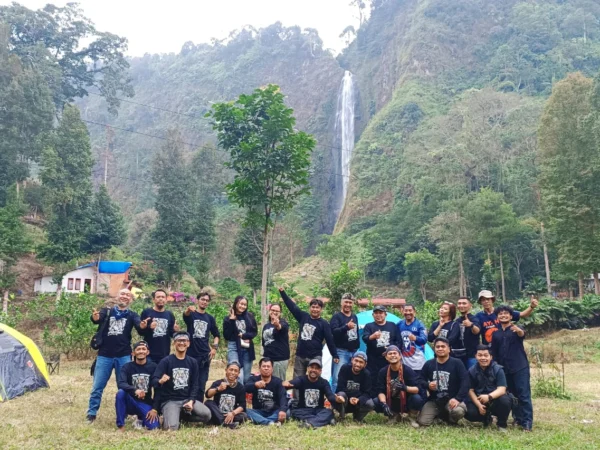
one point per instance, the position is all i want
(107, 277)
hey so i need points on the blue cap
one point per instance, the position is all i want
(360, 354)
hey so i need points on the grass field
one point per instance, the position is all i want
(55, 418)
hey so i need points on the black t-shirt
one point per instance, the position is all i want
(135, 376)
(270, 398)
(312, 395)
(354, 385)
(451, 377)
(276, 343)
(231, 398)
(116, 336)
(199, 327)
(344, 337)
(312, 332)
(159, 338)
(466, 338)
(183, 379)
(376, 347)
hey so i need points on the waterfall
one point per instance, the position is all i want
(345, 134)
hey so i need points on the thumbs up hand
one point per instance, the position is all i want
(351, 324)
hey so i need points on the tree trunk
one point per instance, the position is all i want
(502, 277)
(265, 275)
(581, 288)
(254, 296)
(5, 301)
(546, 261)
(461, 275)
(596, 284)
(424, 291)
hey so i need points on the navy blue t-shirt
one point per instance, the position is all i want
(276, 343)
(159, 338)
(466, 338)
(508, 350)
(489, 324)
(345, 338)
(200, 326)
(116, 336)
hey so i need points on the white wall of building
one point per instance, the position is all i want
(74, 281)
(44, 285)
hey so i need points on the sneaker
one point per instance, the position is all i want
(502, 429)
(332, 422)
(138, 424)
(90, 419)
(305, 425)
(413, 423)
(271, 424)
(233, 425)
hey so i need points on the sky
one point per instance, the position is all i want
(163, 27)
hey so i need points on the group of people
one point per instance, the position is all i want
(480, 368)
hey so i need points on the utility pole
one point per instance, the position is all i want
(109, 144)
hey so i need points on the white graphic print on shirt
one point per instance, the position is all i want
(162, 325)
(181, 376)
(311, 398)
(443, 379)
(227, 403)
(406, 340)
(116, 326)
(443, 333)
(307, 332)
(352, 334)
(140, 381)
(241, 326)
(268, 336)
(200, 327)
(384, 339)
(352, 386)
(265, 396)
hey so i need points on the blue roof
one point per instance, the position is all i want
(110, 267)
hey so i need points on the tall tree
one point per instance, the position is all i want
(106, 228)
(269, 157)
(173, 231)
(13, 243)
(422, 269)
(569, 180)
(66, 176)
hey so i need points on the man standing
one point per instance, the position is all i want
(469, 333)
(488, 391)
(115, 349)
(313, 390)
(344, 326)
(135, 392)
(269, 401)
(176, 385)
(200, 325)
(313, 331)
(448, 386)
(508, 350)
(488, 319)
(414, 336)
(354, 385)
(160, 326)
(276, 341)
(399, 389)
(378, 336)
(227, 399)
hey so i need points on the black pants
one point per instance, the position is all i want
(217, 417)
(359, 412)
(317, 417)
(203, 369)
(414, 402)
(374, 366)
(500, 408)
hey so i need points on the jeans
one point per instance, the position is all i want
(218, 418)
(500, 408)
(245, 363)
(317, 417)
(519, 386)
(263, 417)
(172, 410)
(102, 373)
(126, 405)
(345, 358)
(280, 369)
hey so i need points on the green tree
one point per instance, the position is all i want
(344, 280)
(269, 157)
(569, 153)
(66, 177)
(422, 269)
(106, 228)
(14, 242)
(248, 251)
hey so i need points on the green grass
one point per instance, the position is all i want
(54, 418)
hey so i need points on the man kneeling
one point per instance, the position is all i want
(488, 395)
(312, 391)
(227, 399)
(269, 401)
(176, 382)
(398, 388)
(135, 393)
(354, 385)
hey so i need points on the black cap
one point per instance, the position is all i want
(380, 308)
(141, 344)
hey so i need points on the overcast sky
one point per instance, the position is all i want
(162, 27)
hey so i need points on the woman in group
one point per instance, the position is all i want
(239, 328)
(276, 341)
(447, 328)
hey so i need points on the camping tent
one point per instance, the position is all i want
(22, 366)
(364, 318)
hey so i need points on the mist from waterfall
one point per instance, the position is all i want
(345, 130)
